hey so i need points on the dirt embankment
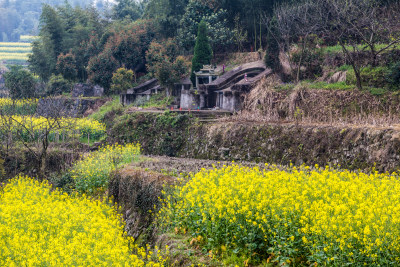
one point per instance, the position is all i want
(352, 147)
(301, 104)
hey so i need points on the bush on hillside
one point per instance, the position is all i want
(394, 76)
(58, 85)
(370, 76)
(122, 80)
(20, 82)
(311, 63)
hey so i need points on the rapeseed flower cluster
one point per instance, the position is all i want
(92, 173)
(299, 215)
(31, 127)
(40, 227)
(18, 106)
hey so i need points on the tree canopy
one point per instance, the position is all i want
(202, 50)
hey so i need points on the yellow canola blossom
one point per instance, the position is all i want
(92, 172)
(17, 102)
(16, 49)
(12, 56)
(323, 216)
(40, 227)
(14, 44)
(18, 106)
(69, 126)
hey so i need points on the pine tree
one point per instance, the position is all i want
(202, 51)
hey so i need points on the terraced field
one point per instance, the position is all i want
(14, 52)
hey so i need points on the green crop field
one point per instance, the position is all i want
(14, 52)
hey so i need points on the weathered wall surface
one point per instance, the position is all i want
(352, 148)
(21, 160)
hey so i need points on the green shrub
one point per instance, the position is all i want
(21, 83)
(310, 61)
(63, 181)
(394, 76)
(122, 80)
(58, 85)
(370, 76)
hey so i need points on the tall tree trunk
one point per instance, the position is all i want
(353, 64)
(358, 76)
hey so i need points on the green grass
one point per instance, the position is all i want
(159, 100)
(107, 107)
(330, 86)
(377, 91)
(345, 68)
(336, 49)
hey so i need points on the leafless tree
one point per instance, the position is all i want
(21, 130)
(356, 25)
(296, 22)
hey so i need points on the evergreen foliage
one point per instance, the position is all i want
(122, 80)
(58, 85)
(160, 51)
(127, 9)
(394, 76)
(219, 32)
(170, 72)
(101, 69)
(66, 66)
(22, 17)
(202, 51)
(20, 82)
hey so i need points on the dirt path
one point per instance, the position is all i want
(184, 166)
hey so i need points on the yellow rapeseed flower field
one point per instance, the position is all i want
(12, 56)
(92, 173)
(17, 102)
(14, 44)
(29, 125)
(20, 49)
(300, 215)
(18, 106)
(41, 227)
